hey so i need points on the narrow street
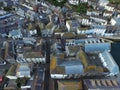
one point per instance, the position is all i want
(47, 71)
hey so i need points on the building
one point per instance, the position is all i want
(96, 31)
(11, 74)
(110, 7)
(35, 57)
(30, 50)
(23, 70)
(93, 3)
(101, 84)
(108, 14)
(109, 63)
(83, 31)
(93, 12)
(92, 64)
(47, 33)
(83, 20)
(72, 25)
(112, 30)
(21, 10)
(11, 85)
(103, 2)
(69, 85)
(115, 21)
(8, 3)
(83, 1)
(9, 52)
(15, 34)
(71, 50)
(86, 21)
(73, 2)
(99, 19)
(5, 16)
(65, 68)
(96, 46)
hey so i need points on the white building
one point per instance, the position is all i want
(72, 25)
(115, 21)
(93, 12)
(98, 19)
(74, 2)
(107, 14)
(110, 7)
(103, 2)
(86, 22)
(109, 62)
(83, 1)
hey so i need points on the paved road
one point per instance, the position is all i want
(39, 78)
(47, 71)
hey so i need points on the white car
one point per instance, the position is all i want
(2, 62)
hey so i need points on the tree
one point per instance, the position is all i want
(38, 30)
(81, 8)
(21, 81)
(56, 3)
(115, 1)
(7, 9)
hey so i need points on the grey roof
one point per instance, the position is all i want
(15, 32)
(110, 62)
(75, 24)
(9, 3)
(72, 66)
(74, 69)
(117, 21)
(5, 16)
(97, 47)
(23, 8)
(24, 70)
(24, 67)
(70, 63)
(98, 26)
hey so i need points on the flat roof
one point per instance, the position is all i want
(69, 84)
(32, 54)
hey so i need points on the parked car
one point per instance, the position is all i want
(2, 62)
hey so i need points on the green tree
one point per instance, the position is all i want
(115, 1)
(38, 30)
(81, 8)
(21, 81)
(7, 9)
(56, 3)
